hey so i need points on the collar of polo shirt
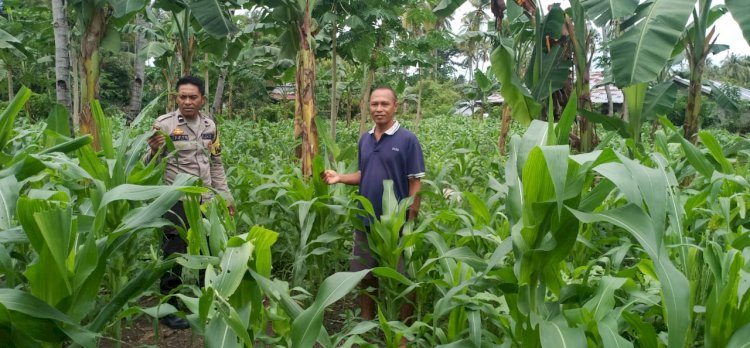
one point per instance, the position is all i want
(390, 131)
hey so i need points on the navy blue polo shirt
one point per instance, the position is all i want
(397, 157)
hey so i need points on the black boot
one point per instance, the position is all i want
(173, 321)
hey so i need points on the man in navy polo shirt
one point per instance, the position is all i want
(386, 152)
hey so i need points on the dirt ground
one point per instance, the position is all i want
(141, 332)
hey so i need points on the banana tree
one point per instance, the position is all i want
(211, 16)
(297, 38)
(700, 40)
(649, 37)
(95, 24)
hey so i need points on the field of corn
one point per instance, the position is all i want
(631, 245)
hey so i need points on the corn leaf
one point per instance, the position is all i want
(8, 197)
(8, 117)
(610, 338)
(555, 335)
(740, 338)
(716, 152)
(233, 267)
(604, 301)
(307, 326)
(674, 285)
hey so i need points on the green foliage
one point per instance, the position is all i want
(116, 80)
(438, 98)
(274, 112)
(709, 111)
(39, 105)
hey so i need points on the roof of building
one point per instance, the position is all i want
(710, 84)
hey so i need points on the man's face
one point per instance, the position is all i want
(382, 106)
(189, 100)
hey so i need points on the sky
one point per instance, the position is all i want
(729, 32)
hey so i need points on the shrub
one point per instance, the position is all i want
(39, 106)
(438, 98)
(272, 112)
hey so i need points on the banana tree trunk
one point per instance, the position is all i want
(62, 59)
(693, 110)
(136, 94)
(219, 95)
(334, 78)
(304, 115)
(582, 45)
(185, 45)
(76, 83)
(230, 101)
(610, 102)
(586, 128)
(91, 61)
(504, 129)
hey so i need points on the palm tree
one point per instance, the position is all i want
(736, 69)
(472, 40)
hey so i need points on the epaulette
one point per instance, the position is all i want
(165, 116)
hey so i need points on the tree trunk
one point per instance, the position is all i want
(219, 95)
(62, 59)
(185, 45)
(230, 101)
(334, 77)
(693, 110)
(206, 82)
(304, 115)
(364, 101)
(419, 102)
(610, 103)
(136, 94)
(349, 110)
(91, 60)
(170, 97)
(76, 83)
(504, 129)
(9, 77)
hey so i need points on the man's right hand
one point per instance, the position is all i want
(330, 177)
(156, 141)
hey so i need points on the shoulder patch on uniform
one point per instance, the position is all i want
(215, 147)
(164, 117)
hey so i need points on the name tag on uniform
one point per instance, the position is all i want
(180, 137)
(208, 136)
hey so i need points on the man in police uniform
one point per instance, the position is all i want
(198, 153)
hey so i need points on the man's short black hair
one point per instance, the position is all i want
(191, 80)
(387, 88)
